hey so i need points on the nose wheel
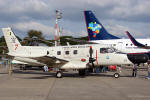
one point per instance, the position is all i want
(116, 75)
(59, 74)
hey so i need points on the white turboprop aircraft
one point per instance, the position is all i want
(78, 57)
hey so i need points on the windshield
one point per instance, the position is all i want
(107, 50)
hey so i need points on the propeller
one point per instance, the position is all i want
(91, 59)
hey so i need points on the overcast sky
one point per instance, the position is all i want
(117, 16)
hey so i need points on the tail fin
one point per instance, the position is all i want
(11, 40)
(95, 29)
(136, 43)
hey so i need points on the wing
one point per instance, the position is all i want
(51, 61)
(61, 63)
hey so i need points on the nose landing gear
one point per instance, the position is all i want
(116, 75)
(59, 74)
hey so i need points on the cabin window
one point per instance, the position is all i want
(126, 44)
(47, 52)
(67, 52)
(114, 44)
(131, 44)
(75, 52)
(58, 52)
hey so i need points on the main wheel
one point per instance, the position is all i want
(116, 75)
(59, 74)
(82, 72)
(90, 70)
(24, 68)
(21, 68)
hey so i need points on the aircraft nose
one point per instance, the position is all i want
(138, 58)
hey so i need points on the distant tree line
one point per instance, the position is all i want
(34, 38)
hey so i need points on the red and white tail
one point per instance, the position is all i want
(11, 40)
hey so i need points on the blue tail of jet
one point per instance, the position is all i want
(136, 43)
(95, 29)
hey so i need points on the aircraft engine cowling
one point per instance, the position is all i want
(138, 58)
(74, 65)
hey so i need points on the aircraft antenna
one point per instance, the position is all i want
(59, 36)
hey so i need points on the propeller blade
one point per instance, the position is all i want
(91, 51)
(91, 60)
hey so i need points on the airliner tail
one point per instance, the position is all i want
(95, 29)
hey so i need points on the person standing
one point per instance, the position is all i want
(134, 70)
(45, 68)
(148, 71)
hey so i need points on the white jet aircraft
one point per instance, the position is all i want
(62, 58)
(98, 34)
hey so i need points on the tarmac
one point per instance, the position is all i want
(38, 85)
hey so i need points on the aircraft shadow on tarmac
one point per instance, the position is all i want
(45, 75)
(3, 73)
(107, 75)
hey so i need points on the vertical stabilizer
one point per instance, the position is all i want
(11, 40)
(136, 43)
(95, 29)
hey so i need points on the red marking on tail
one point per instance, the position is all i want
(16, 46)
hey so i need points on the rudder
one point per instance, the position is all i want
(11, 40)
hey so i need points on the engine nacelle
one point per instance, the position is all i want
(74, 65)
(138, 58)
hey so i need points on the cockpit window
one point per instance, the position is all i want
(107, 50)
(47, 52)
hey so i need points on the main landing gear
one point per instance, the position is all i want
(117, 74)
(82, 72)
(23, 67)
